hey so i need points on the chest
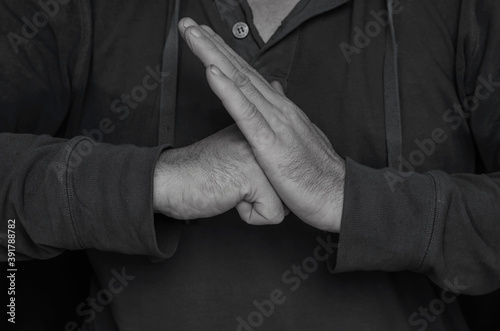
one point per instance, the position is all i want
(268, 15)
(345, 99)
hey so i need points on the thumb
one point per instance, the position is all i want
(262, 205)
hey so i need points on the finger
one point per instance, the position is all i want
(237, 60)
(289, 106)
(262, 205)
(203, 46)
(287, 210)
(245, 209)
(277, 86)
(260, 82)
(251, 214)
(209, 54)
(234, 57)
(253, 95)
(211, 49)
(266, 202)
(247, 116)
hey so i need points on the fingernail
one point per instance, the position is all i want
(216, 71)
(187, 22)
(195, 32)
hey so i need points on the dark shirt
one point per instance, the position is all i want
(222, 273)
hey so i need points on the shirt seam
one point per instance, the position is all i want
(153, 239)
(435, 217)
(70, 192)
(84, 41)
(294, 52)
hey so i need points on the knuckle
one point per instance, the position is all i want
(265, 139)
(249, 111)
(280, 126)
(240, 79)
(293, 118)
(245, 70)
(238, 62)
(253, 94)
(289, 108)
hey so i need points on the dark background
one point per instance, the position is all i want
(48, 292)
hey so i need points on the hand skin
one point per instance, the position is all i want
(212, 176)
(295, 155)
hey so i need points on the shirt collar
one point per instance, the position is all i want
(234, 11)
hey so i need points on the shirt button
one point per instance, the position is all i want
(240, 30)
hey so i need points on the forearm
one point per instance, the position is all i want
(212, 176)
(75, 194)
(444, 226)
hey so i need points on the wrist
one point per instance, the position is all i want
(337, 205)
(163, 182)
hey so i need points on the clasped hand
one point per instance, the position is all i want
(283, 156)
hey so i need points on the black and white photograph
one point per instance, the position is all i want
(250, 165)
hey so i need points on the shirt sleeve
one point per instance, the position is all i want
(77, 194)
(444, 226)
(63, 194)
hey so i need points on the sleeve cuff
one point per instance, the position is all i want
(387, 220)
(110, 198)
